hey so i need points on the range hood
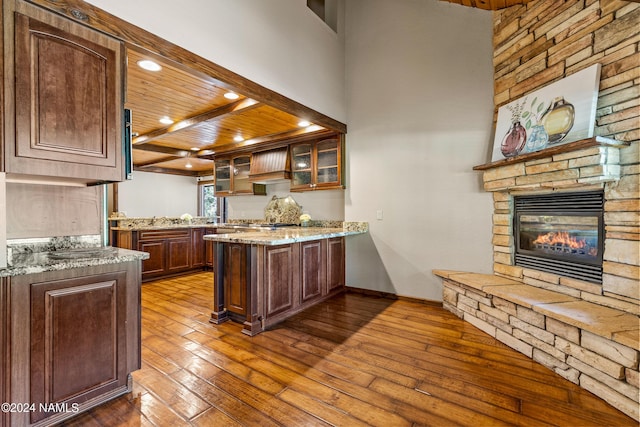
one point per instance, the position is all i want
(270, 165)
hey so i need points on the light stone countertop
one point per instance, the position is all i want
(285, 235)
(39, 262)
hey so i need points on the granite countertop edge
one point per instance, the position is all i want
(282, 236)
(40, 262)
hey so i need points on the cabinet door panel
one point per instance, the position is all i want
(335, 263)
(179, 258)
(313, 271)
(66, 104)
(279, 279)
(75, 332)
(156, 264)
(235, 278)
(47, 61)
(198, 255)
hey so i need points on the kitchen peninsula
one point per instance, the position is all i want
(266, 276)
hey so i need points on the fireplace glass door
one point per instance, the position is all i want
(561, 233)
(565, 237)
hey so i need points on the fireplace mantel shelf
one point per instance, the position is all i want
(596, 141)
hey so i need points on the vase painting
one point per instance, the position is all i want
(514, 141)
(559, 113)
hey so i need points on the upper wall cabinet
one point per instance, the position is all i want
(63, 105)
(316, 165)
(232, 177)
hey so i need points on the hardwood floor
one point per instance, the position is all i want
(352, 361)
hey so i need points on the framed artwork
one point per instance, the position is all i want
(562, 112)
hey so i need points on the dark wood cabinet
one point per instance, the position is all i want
(171, 251)
(73, 339)
(232, 177)
(209, 250)
(316, 165)
(198, 248)
(261, 285)
(235, 278)
(313, 274)
(179, 254)
(156, 265)
(335, 263)
(63, 106)
(280, 279)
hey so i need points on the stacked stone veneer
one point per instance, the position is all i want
(588, 344)
(549, 317)
(592, 168)
(539, 43)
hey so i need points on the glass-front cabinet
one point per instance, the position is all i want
(316, 165)
(232, 176)
(223, 176)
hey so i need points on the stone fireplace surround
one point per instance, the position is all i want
(586, 332)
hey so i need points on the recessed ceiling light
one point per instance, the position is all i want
(195, 149)
(303, 123)
(149, 65)
(166, 120)
(188, 166)
(238, 138)
(231, 95)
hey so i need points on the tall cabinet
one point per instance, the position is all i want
(63, 97)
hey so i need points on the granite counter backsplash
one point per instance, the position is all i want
(124, 223)
(135, 223)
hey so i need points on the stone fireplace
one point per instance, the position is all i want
(564, 303)
(585, 331)
(560, 233)
(589, 166)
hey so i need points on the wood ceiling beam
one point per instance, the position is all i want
(155, 162)
(267, 141)
(162, 149)
(217, 113)
(169, 171)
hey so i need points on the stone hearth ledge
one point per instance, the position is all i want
(606, 322)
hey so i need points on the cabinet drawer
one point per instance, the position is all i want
(175, 233)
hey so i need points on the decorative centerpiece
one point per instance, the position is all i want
(186, 218)
(282, 210)
(305, 220)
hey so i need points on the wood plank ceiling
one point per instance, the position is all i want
(205, 122)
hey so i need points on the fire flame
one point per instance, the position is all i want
(560, 238)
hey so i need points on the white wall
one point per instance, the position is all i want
(419, 108)
(280, 44)
(153, 194)
(326, 204)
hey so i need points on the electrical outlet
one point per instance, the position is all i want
(379, 214)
